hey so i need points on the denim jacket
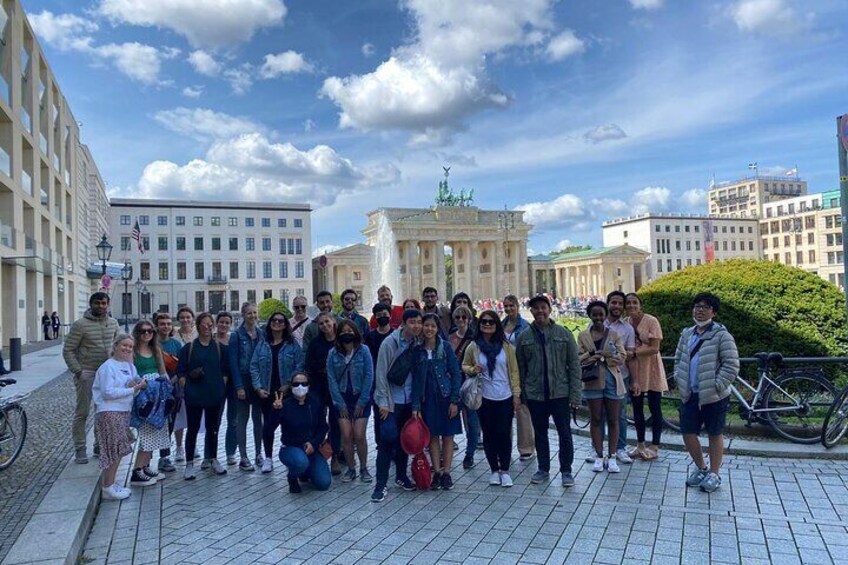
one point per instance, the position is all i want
(520, 326)
(290, 362)
(361, 373)
(153, 404)
(443, 366)
(241, 350)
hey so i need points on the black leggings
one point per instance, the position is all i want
(655, 406)
(496, 423)
(213, 422)
(271, 421)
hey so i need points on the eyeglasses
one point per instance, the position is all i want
(146, 331)
(300, 385)
(460, 317)
(277, 321)
(702, 307)
(487, 322)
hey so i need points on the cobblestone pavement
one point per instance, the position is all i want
(47, 450)
(767, 511)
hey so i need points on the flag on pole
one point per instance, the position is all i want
(791, 172)
(752, 166)
(136, 235)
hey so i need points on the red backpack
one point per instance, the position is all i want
(422, 475)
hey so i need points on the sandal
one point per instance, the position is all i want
(637, 453)
(651, 453)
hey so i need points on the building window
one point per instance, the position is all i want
(715, 229)
(786, 240)
(125, 220)
(249, 222)
(750, 229)
(232, 222)
(249, 244)
(688, 245)
(291, 245)
(300, 292)
(282, 246)
(179, 220)
(284, 297)
(697, 261)
(266, 244)
(799, 257)
(668, 265)
(199, 301)
(181, 243)
(668, 230)
(284, 269)
(216, 244)
(162, 220)
(677, 229)
(215, 221)
(787, 258)
(679, 264)
(267, 293)
(198, 244)
(750, 245)
(298, 246)
(266, 222)
(144, 220)
(198, 271)
(357, 275)
(144, 269)
(217, 273)
(686, 228)
(163, 243)
(125, 243)
(733, 245)
(298, 223)
(659, 265)
(233, 244)
(697, 246)
(281, 222)
(812, 256)
(724, 245)
(765, 243)
(298, 269)
(198, 220)
(266, 270)
(234, 300)
(697, 229)
(181, 271)
(251, 269)
(657, 228)
(163, 271)
(234, 270)
(251, 296)
(145, 243)
(677, 245)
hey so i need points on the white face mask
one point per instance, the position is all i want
(300, 391)
(702, 323)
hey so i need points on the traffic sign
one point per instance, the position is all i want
(106, 281)
(323, 261)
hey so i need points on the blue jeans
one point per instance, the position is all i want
(472, 434)
(388, 452)
(313, 466)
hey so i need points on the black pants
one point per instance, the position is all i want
(496, 423)
(270, 423)
(655, 406)
(386, 453)
(167, 451)
(540, 413)
(213, 422)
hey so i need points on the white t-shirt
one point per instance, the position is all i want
(110, 389)
(496, 386)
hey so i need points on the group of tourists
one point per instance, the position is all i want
(450, 368)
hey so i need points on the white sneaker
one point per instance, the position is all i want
(598, 466)
(121, 489)
(622, 457)
(113, 492)
(590, 458)
(612, 466)
(206, 464)
(180, 455)
(495, 479)
(190, 472)
(217, 468)
(267, 465)
(506, 480)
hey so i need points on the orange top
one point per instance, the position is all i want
(651, 371)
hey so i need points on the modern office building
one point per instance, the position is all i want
(676, 241)
(211, 256)
(93, 216)
(746, 197)
(40, 188)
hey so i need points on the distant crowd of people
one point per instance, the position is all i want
(306, 388)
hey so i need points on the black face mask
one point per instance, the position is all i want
(383, 320)
(347, 338)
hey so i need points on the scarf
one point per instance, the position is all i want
(491, 350)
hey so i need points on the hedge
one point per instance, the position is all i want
(271, 306)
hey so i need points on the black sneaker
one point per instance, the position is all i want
(468, 462)
(405, 484)
(151, 473)
(447, 481)
(379, 494)
(139, 479)
(294, 486)
(436, 481)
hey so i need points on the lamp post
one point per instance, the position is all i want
(126, 275)
(506, 222)
(104, 251)
(138, 286)
(146, 295)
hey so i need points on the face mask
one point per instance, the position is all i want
(347, 338)
(702, 324)
(300, 391)
(383, 321)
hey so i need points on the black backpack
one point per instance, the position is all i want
(402, 366)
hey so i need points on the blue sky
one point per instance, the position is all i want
(574, 111)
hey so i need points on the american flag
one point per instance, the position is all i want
(136, 235)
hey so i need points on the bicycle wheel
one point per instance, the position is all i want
(836, 422)
(797, 403)
(13, 428)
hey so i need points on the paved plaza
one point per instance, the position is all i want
(767, 511)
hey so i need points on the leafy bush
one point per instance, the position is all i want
(271, 306)
(765, 305)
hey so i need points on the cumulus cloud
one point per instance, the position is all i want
(565, 45)
(309, 125)
(368, 50)
(204, 124)
(250, 167)
(651, 199)
(694, 199)
(432, 85)
(193, 91)
(205, 23)
(646, 4)
(288, 62)
(66, 32)
(240, 78)
(204, 63)
(563, 212)
(608, 132)
(562, 244)
(772, 17)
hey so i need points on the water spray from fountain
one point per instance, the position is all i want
(384, 271)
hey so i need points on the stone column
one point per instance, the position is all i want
(439, 267)
(473, 270)
(497, 270)
(414, 273)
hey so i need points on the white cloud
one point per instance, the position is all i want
(565, 45)
(205, 124)
(564, 211)
(252, 168)
(240, 78)
(646, 4)
(368, 50)
(288, 62)
(608, 132)
(204, 63)
(67, 32)
(772, 17)
(694, 199)
(309, 125)
(138, 61)
(193, 91)
(651, 199)
(209, 23)
(562, 244)
(432, 85)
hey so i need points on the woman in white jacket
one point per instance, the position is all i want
(115, 384)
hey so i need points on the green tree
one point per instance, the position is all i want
(765, 305)
(271, 306)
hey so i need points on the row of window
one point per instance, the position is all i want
(669, 266)
(286, 245)
(217, 272)
(697, 229)
(799, 258)
(664, 245)
(217, 300)
(831, 239)
(215, 221)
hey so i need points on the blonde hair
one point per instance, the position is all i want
(117, 341)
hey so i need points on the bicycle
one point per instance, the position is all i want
(836, 422)
(13, 426)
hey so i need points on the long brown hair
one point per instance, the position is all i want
(154, 344)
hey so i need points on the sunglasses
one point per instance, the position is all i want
(277, 321)
(487, 322)
(146, 331)
(300, 385)
(460, 317)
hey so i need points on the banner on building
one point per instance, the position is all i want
(709, 246)
(843, 130)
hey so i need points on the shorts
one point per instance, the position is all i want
(610, 391)
(350, 401)
(711, 417)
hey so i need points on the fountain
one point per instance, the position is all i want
(384, 271)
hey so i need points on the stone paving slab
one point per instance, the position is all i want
(783, 510)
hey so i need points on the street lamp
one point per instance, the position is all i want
(104, 251)
(126, 275)
(138, 286)
(145, 294)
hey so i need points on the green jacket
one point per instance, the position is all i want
(89, 342)
(563, 363)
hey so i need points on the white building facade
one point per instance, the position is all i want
(210, 256)
(679, 241)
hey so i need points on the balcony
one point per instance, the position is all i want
(216, 279)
